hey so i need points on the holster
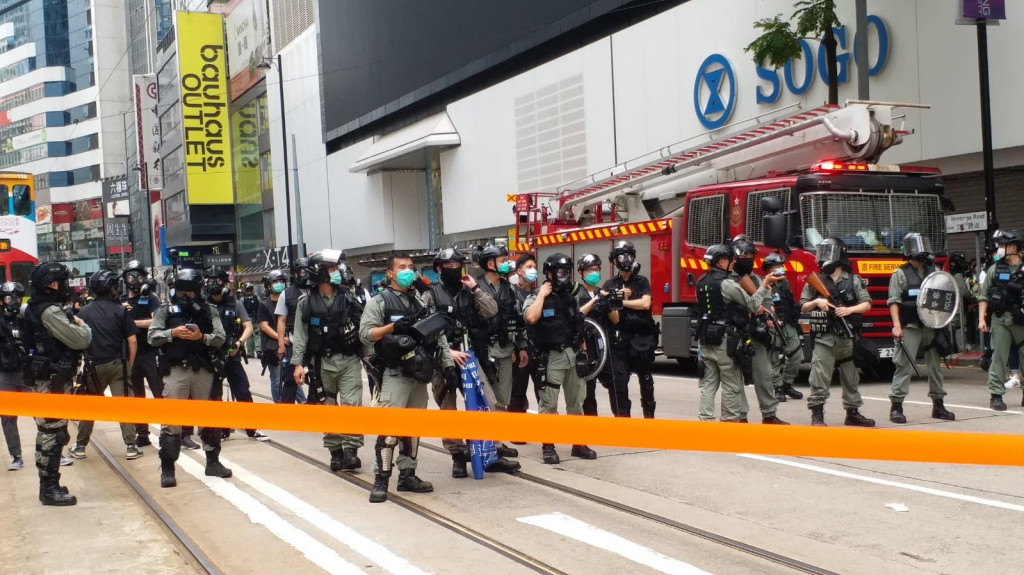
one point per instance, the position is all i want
(539, 369)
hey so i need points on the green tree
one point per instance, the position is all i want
(779, 42)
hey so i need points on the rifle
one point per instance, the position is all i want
(816, 284)
(748, 286)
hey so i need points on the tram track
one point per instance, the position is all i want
(198, 557)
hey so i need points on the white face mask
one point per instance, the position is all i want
(514, 279)
(1001, 253)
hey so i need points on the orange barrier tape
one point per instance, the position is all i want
(794, 440)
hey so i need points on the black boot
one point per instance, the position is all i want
(583, 452)
(818, 416)
(213, 465)
(780, 395)
(379, 493)
(170, 448)
(939, 411)
(772, 420)
(792, 393)
(856, 419)
(506, 451)
(142, 440)
(335, 460)
(503, 465)
(648, 408)
(997, 403)
(350, 459)
(53, 493)
(896, 412)
(459, 461)
(550, 455)
(187, 443)
(59, 486)
(407, 481)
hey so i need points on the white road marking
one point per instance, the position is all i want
(887, 483)
(333, 528)
(318, 553)
(585, 533)
(928, 403)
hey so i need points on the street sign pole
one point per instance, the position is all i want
(986, 127)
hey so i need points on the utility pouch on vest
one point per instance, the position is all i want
(420, 365)
(743, 355)
(819, 321)
(42, 368)
(539, 367)
(711, 333)
(944, 343)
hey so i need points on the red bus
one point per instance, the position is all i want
(19, 250)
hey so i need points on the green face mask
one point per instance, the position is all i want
(278, 287)
(405, 278)
(592, 279)
(335, 278)
(504, 268)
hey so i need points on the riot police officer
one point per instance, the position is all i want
(285, 312)
(725, 311)
(326, 341)
(834, 347)
(526, 269)
(910, 334)
(354, 284)
(760, 334)
(505, 329)
(188, 332)
(410, 357)
(58, 339)
(636, 336)
(275, 283)
(106, 362)
(596, 303)
(467, 308)
(237, 330)
(556, 332)
(142, 303)
(786, 353)
(1002, 295)
(13, 361)
(251, 303)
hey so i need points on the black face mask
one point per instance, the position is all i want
(451, 278)
(829, 268)
(743, 266)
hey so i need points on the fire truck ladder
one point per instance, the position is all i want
(859, 131)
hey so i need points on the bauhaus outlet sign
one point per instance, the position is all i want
(715, 87)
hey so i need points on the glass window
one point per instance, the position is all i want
(5, 201)
(22, 200)
(21, 272)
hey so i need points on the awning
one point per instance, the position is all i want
(404, 148)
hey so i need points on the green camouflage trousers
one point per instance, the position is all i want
(52, 434)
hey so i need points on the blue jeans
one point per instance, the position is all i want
(290, 391)
(275, 382)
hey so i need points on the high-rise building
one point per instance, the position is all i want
(62, 93)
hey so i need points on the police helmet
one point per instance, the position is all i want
(560, 268)
(742, 246)
(46, 273)
(830, 251)
(587, 261)
(717, 252)
(348, 277)
(1006, 237)
(273, 277)
(216, 280)
(446, 256)
(623, 255)
(248, 287)
(301, 272)
(489, 252)
(772, 260)
(136, 267)
(916, 246)
(188, 279)
(320, 262)
(11, 294)
(103, 282)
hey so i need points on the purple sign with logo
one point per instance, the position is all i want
(984, 9)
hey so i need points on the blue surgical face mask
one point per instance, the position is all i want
(277, 287)
(530, 275)
(592, 278)
(335, 278)
(405, 278)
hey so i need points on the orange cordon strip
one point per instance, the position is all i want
(842, 443)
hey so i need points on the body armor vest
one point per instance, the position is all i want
(463, 319)
(179, 351)
(560, 324)
(291, 300)
(62, 359)
(251, 303)
(908, 299)
(15, 341)
(633, 321)
(844, 295)
(1007, 289)
(712, 305)
(333, 329)
(140, 311)
(231, 322)
(506, 324)
(785, 306)
(416, 361)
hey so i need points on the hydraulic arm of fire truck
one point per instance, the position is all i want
(860, 131)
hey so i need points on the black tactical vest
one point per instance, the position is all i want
(62, 358)
(560, 324)
(333, 329)
(291, 300)
(712, 305)
(463, 319)
(506, 324)
(231, 322)
(785, 306)
(1007, 288)
(633, 321)
(178, 351)
(844, 295)
(908, 299)
(15, 341)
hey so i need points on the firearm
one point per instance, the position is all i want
(317, 395)
(747, 283)
(92, 377)
(816, 284)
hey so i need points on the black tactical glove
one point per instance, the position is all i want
(602, 307)
(404, 325)
(452, 379)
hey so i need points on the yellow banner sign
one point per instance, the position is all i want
(880, 267)
(204, 108)
(510, 198)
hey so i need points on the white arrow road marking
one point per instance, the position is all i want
(318, 553)
(887, 483)
(586, 533)
(333, 528)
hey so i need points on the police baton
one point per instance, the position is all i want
(913, 363)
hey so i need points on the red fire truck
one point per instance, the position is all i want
(785, 182)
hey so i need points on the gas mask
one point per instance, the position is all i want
(624, 262)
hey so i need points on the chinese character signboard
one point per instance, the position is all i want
(247, 37)
(984, 9)
(204, 108)
(116, 215)
(148, 132)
